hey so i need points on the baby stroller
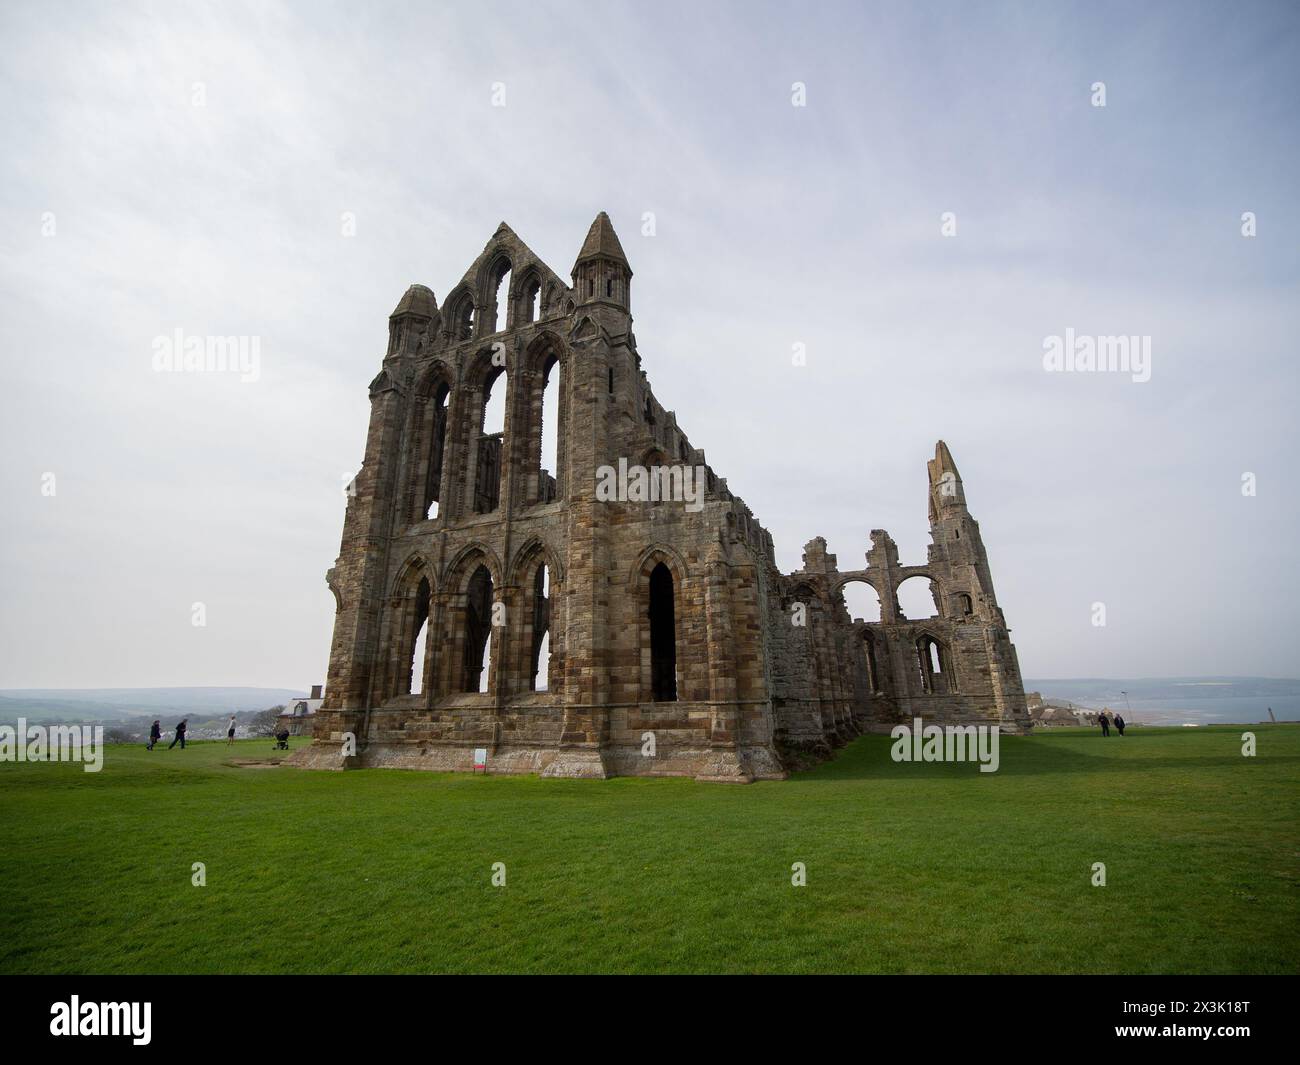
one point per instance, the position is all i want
(282, 740)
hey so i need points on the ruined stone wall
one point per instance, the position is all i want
(755, 693)
(977, 679)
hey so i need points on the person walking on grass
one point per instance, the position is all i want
(230, 731)
(1105, 723)
(1119, 724)
(155, 734)
(180, 736)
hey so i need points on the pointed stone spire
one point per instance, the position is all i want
(602, 243)
(944, 458)
(601, 274)
(956, 550)
(945, 482)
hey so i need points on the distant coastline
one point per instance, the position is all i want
(1179, 700)
(1151, 701)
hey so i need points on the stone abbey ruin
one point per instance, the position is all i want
(493, 597)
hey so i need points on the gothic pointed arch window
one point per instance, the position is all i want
(436, 435)
(499, 279)
(540, 658)
(419, 632)
(494, 401)
(550, 441)
(491, 443)
(478, 635)
(661, 610)
(934, 665)
(872, 660)
(460, 316)
(529, 303)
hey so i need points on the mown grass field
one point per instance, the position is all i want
(910, 868)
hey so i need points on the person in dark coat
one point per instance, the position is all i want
(1105, 723)
(155, 734)
(180, 736)
(1119, 724)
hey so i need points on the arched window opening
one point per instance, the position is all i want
(552, 386)
(487, 480)
(415, 664)
(485, 665)
(478, 631)
(964, 604)
(541, 651)
(417, 659)
(542, 678)
(461, 318)
(531, 303)
(873, 667)
(494, 403)
(501, 297)
(916, 598)
(663, 636)
(609, 287)
(862, 601)
(933, 662)
(437, 440)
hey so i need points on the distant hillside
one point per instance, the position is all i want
(73, 705)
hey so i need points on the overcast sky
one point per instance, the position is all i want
(187, 166)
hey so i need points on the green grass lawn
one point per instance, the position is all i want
(910, 868)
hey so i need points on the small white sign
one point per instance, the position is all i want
(480, 758)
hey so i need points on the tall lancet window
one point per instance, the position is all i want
(663, 636)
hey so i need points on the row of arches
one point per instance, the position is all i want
(501, 299)
(481, 641)
(914, 595)
(456, 637)
(475, 635)
(459, 449)
(917, 596)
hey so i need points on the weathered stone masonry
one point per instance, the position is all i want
(643, 617)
